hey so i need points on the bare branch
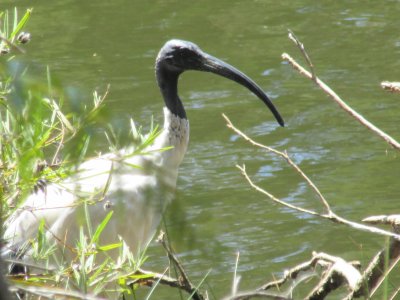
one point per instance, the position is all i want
(286, 157)
(184, 281)
(393, 220)
(272, 197)
(338, 272)
(300, 45)
(391, 141)
(291, 274)
(342, 267)
(153, 277)
(330, 215)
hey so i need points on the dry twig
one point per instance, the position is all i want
(311, 75)
(184, 281)
(300, 45)
(152, 278)
(330, 215)
(393, 220)
(338, 272)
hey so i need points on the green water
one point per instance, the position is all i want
(88, 44)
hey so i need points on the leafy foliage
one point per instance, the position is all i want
(40, 142)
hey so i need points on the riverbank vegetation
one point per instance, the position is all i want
(41, 143)
(43, 140)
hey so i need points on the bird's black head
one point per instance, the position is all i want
(177, 56)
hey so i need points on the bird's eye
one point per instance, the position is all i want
(186, 53)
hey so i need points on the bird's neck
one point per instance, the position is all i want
(175, 134)
(176, 126)
(168, 83)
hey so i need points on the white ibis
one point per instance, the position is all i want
(137, 195)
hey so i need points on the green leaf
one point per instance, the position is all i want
(41, 236)
(101, 227)
(98, 271)
(109, 247)
(21, 23)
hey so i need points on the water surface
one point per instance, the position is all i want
(88, 45)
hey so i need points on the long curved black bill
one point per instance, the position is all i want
(217, 66)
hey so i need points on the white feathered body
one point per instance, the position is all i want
(136, 188)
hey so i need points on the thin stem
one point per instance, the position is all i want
(391, 141)
(286, 157)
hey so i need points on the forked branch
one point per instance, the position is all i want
(311, 75)
(330, 215)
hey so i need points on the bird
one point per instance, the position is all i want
(136, 188)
